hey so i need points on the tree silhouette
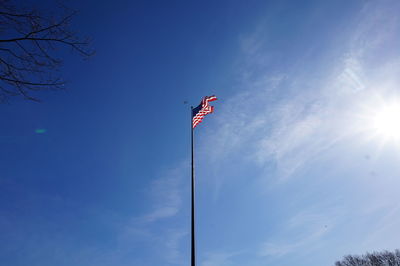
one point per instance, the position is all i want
(29, 40)
(384, 258)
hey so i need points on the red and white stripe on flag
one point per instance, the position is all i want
(202, 110)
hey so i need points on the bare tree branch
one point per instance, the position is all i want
(384, 258)
(29, 40)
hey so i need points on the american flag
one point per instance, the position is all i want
(202, 110)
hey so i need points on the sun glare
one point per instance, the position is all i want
(386, 121)
(377, 119)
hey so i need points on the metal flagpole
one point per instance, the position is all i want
(203, 109)
(193, 193)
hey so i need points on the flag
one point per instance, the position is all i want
(202, 110)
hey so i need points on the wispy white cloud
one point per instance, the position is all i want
(165, 196)
(283, 248)
(301, 232)
(351, 78)
(159, 229)
(220, 258)
(383, 231)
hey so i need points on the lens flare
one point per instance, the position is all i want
(40, 131)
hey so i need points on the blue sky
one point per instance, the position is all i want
(293, 167)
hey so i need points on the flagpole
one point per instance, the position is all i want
(193, 193)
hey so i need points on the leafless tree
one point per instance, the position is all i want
(29, 42)
(384, 258)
